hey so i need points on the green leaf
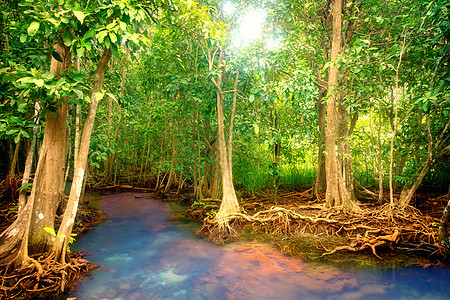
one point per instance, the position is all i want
(256, 128)
(79, 15)
(50, 230)
(113, 37)
(107, 42)
(23, 187)
(114, 49)
(25, 134)
(79, 93)
(67, 38)
(39, 82)
(33, 28)
(101, 35)
(99, 96)
(427, 106)
(22, 107)
(48, 75)
(251, 98)
(80, 51)
(88, 34)
(112, 96)
(56, 56)
(23, 38)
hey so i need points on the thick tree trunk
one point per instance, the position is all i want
(61, 242)
(14, 240)
(337, 194)
(215, 189)
(50, 186)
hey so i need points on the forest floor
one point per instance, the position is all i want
(373, 235)
(45, 278)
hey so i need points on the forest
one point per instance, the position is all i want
(326, 117)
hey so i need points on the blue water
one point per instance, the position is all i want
(145, 256)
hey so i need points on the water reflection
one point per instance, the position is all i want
(144, 256)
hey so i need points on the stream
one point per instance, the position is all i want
(143, 255)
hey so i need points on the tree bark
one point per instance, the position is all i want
(230, 204)
(321, 108)
(380, 157)
(443, 226)
(61, 242)
(172, 163)
(12, 170)
(29, 159)
(76, 143)
(50, 182)
(276, 157)
(344, 152)
(14, 240)
(336, 194)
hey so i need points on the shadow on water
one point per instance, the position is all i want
(145, 256)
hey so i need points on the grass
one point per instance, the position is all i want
(254, 178)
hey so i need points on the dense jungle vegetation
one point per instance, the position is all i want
(346, 100)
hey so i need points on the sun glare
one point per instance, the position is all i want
(250, 28)
(228, 8)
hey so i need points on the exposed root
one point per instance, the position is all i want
(370, 228)
(43, 278)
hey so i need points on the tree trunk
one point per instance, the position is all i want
(276, 157)
(380, 158)
(337, 194)
(50, 182)
(11, 180)
(76, 144)
(29, 159)
(215, 174)
(69, 156)
(321, 108)
(344, 153)
(14, 240)
(172, 164)
(407, 194)
(443, 226)
(394, 124)
(230, 204)
(60, 245)
(12, 170)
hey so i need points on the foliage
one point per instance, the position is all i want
(157, 112)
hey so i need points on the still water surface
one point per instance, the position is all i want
(145, 256)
